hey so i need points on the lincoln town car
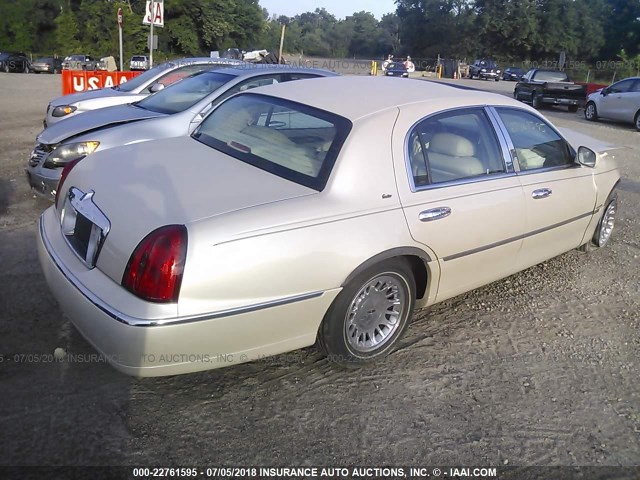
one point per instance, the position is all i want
(322, 211)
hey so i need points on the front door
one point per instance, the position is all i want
(559, 194)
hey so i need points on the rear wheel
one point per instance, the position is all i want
(636, 121)
(369, 316)
(5, 68)
(536, 100)
(591, 112)
(26, 68)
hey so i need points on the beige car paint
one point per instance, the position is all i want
(255, 244)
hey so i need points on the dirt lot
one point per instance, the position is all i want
(538, 369)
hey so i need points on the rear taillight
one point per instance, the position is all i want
(154, 271)
(63, 176)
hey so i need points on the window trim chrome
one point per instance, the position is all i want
(460, 181)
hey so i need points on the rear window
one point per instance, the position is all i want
(138, 59)
(288, 139)
(543, 76)
(182, 95)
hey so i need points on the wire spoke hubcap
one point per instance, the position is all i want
(590, 111)
(608, 220)
(375, 313)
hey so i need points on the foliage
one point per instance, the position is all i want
(586, 30)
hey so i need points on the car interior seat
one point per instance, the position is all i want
(451, 157)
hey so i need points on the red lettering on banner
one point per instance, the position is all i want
(80, 80)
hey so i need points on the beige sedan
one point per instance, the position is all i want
(324, 210)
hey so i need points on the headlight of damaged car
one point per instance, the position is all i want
(71, 151)
(63, 110)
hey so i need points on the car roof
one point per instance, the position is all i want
(251, 69)
(343, 95)
(211, 60)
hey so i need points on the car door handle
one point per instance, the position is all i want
(434, 214)
(541, 193)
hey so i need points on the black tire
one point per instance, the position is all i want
(516, 94)
(573, 108)
(56, 71)
(497, 79)
(601, 237)
(636, 120)
(591, 112)
(26, 68)
(5, 68)
(536, 101)
(363, 299)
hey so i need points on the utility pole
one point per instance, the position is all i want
(153, 14)
(281, 43)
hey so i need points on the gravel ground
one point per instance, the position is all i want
(538, 369)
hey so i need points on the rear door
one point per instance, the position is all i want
(460, 195)
(559, 194)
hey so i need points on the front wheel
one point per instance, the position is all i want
(369, 316)
(26, 68)
(605, 226)
(5, 68)
(636, 121)
(591, 112)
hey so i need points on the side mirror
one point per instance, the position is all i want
(156, 87)
(586, 157)
(604, 92)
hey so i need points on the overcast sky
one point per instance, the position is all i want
(339, 8)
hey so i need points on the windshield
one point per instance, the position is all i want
(185, 93)
(543, 76)
(396, 66)
(3, 56)
(287, 139)
(143, 78)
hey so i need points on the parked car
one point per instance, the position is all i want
(139, 62)
(279, 221)
(175, 111)
(14, 62)
(396, 69)
(47, 65)
(513, 74)
(135, 89)
(620, 101)
(484, 68)
(79, 62)
(549, 87)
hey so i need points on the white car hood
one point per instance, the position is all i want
(93, 120)
(577, 139)
(88, 95)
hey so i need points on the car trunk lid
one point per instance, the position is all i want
(139, 188)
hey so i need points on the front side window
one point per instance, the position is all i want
(623, 86)
(182, 95)
(452, 146)
(537, 145)
(288, 139)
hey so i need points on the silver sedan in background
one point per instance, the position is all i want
(620, 101)
(135, 89)
(172, 112)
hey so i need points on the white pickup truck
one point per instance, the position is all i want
(139, 62)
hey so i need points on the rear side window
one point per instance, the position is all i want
(537, 145)
(288, 139)
(452, 146)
